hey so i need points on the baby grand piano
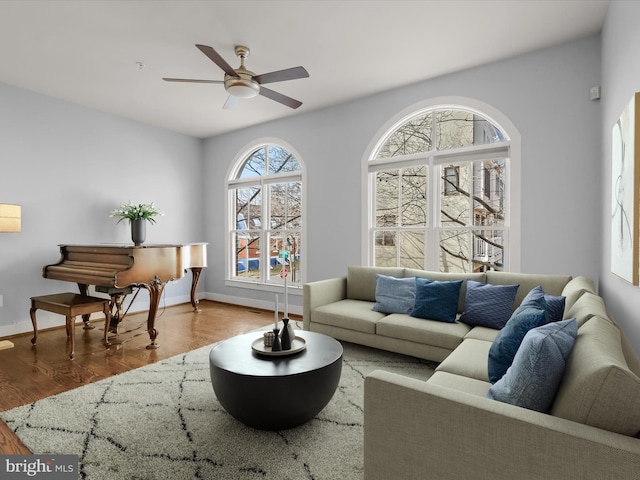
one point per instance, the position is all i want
(118, 267)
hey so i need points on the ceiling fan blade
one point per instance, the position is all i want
(278, 97)
(281, 75)
(191, 80)
(231, 102)
(217, 59)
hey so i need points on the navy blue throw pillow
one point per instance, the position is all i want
(555, 304)
(437, 300)
(531, 313)
(488, 305)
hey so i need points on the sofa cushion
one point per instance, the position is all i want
(488, 305)
(587, 306)
(436, 300)
(552, 284)
(460, 383)
(351, 314)
(419, 330)
(531, 313)
(599, 389)
(576, 288)
(482, 333)
(630, 355)
(394, 295)
(361, 281)
(468, 360)
(533, 379)
(448, 277)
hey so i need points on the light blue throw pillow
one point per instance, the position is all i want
(394, 295)
(488, 305)
(555, 304)
(436, 300)
(531, 313)
(533, 379)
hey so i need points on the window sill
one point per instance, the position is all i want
(263, 287)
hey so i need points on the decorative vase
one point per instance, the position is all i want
(138, 231)
(292, 333)
(285, 339)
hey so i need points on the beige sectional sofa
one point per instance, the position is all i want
(446, 427)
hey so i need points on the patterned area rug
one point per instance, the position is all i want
(162, 421)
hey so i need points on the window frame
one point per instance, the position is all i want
(512, 147)
(263, 182)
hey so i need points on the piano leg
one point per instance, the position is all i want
(195, 272)
(155, 290)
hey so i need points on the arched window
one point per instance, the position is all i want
(439, 184)
(266, 217)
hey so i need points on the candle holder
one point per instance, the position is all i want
(285, 339)
(277, 346)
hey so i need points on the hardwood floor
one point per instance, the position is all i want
(29, 373)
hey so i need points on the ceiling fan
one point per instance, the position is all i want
(242, 83)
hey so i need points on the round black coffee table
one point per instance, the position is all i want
(275, 392)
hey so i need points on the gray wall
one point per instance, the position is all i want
(68, 167)
(545, 94)
(620, 80)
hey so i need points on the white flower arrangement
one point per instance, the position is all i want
(142, 211)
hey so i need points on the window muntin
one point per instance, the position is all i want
(412, 137)
(461, 194)
(268, 216)
(254, 165)
(248, 208)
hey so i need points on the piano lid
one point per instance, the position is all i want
(122, 265)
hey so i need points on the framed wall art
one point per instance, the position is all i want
(625, 192)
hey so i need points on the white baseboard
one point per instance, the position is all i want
(250, 302)
(50, 320)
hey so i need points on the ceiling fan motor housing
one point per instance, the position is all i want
(242, 86)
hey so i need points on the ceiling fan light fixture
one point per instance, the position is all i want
(241, 83)
(241, 87)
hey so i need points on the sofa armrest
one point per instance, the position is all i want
(413, 429)
(320, 293)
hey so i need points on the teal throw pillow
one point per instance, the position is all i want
(395, 295)
(538, 367)
(437, 300)
(488, 305)
(531, 313)
(555, 304)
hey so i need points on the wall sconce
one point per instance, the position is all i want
(9, 218)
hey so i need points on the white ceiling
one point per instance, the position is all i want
(87, 51)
